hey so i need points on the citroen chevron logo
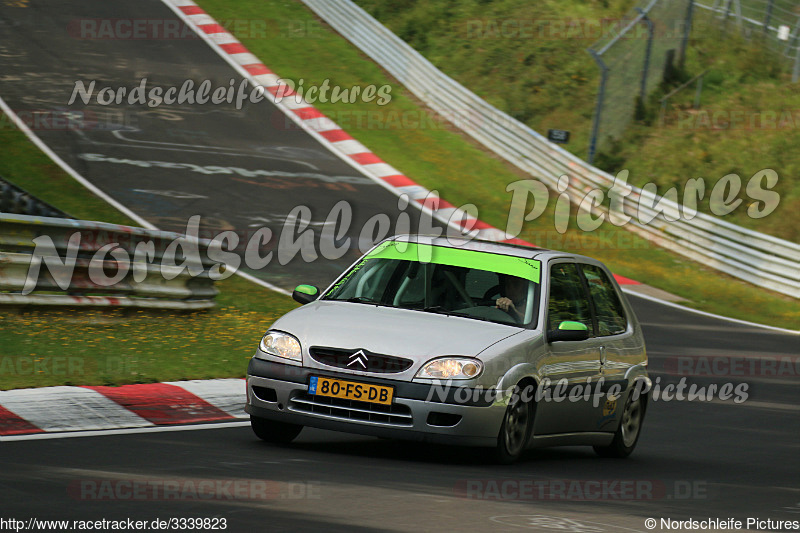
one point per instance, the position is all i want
(359, 357)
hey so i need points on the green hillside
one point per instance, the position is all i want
(748, 119)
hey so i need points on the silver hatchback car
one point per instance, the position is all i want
(464, 342)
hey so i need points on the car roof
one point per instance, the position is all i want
(493, 247)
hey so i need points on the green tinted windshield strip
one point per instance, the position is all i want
(424, 253)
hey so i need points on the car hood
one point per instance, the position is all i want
(402, 332)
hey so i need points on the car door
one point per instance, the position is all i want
(618, 346)
(570, 363)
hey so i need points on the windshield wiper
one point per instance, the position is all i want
(363, 300)
(367, 300)
(438, 309)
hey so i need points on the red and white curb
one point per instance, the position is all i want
(91, 408)
(330, 134)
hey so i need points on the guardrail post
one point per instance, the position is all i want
(599, 107)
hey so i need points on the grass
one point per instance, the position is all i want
(47, 347)
(424, 147)
(95, 347)
(748, 120)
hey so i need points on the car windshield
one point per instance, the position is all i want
(450, 286)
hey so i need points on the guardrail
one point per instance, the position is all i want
(34, 269)
(761, 259)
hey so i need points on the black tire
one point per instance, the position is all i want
(274, 431)
(516, 429)
(630, 427)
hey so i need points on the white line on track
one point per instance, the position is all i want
(127, 431)
(710, 315)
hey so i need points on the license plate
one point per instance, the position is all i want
(350, 390)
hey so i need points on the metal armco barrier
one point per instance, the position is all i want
(144, 283)
(761, 259)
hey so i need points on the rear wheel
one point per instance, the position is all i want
(515, 431)
(629, 429)
(274, 431)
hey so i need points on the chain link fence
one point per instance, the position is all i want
(633, 59)
(778, 21)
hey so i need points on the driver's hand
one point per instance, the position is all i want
(505, 304)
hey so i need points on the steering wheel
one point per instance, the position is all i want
(493, 293)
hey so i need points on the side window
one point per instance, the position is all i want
(607, 305)
(568, 300)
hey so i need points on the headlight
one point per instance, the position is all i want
(451, 368)
(281, 345)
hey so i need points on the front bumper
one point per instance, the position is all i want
(279, 392)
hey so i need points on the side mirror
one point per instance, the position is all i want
(304, 294)
(568, 330)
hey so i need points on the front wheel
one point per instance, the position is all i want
(515, 431)
(629, 429)
(274, 431)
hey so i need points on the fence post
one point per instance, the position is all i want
(768, 16)
(686, 31)
(792, 37)
(646, 68)
(599, 107)
(699, 91)
(727, 11)
(738, 5)
(796, 69)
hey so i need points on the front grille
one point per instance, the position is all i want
(394, 414)
(382, 364)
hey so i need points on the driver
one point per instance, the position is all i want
(513, 303)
